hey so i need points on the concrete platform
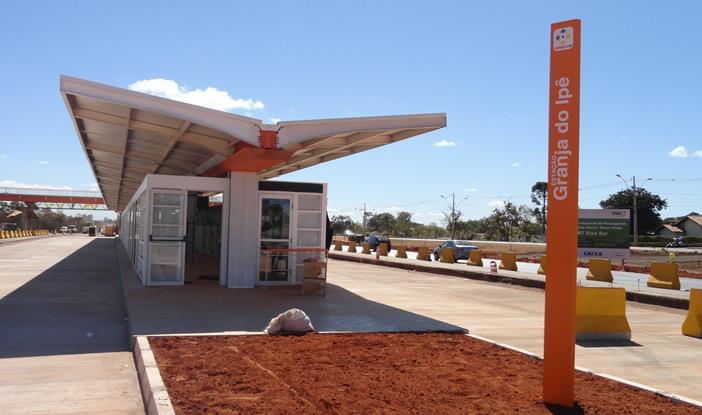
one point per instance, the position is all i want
(63, 330)
(367, 297)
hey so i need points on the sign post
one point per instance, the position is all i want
(603, 233)
(562, 231)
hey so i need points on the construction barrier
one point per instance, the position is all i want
(664, 275)
(600, 314)
(401, 252)
(475, 257)
(366, 248)
(423, 253)
(382, 249)
(692, 326)
(2, 234)
(599, 270)
(542, 265)
(447, 256)
(508, 261)
(337, 245)
(352, 247)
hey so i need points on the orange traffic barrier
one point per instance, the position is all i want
(401, 252)
(382, 249)
(366, 248)
(692, 326)
(599, 270)
(352, 247)
(337, 245)
(542, 265)
(664, 275)
(508, 261)
(423, 253)
(447, 256)
(475, 258)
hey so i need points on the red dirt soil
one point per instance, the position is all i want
(374, 373)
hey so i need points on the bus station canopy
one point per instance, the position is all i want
(126, 135)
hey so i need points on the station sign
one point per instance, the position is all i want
(603, 233)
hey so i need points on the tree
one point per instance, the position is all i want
(404, 224)
(649, 206)
(539, 196)
(451, 219)
(383, 223)
(341, 223)
(508, 223)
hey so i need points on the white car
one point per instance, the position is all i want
(63, 229)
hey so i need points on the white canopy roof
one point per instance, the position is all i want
(126, 135)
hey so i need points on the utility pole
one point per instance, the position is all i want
(364, 218)
(452, 218)
(634, 193)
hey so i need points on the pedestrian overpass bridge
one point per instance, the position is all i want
(37, 198)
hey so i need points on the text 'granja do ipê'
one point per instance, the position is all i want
(560, 158)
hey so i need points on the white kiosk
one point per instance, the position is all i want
(191, 183)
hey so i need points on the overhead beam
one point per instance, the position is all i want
(167, 152)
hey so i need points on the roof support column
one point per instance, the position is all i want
(242, 269)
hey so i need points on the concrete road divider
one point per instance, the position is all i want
(600, 314)
(366, 248)
(382, 249)
(599, 270)
(508, 261)
(352, 247)
(664, 275)
(692, 326)
(401, 252)
(423, 253)
(446, 255)
(337, 245)
(475, 258)
(542, 265)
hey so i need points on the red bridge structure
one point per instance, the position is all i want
(54, 198)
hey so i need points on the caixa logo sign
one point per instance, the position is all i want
(592, 253)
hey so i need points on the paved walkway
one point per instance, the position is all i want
(63, 333)
(365, 297)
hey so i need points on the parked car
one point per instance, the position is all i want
(676, 243)
(355, 237)
(375, 240)
(72, 229)
(461, 249)
(63, 229)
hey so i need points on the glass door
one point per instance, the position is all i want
(166, 237)
(275, 239)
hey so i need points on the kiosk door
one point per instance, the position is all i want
(166, 237)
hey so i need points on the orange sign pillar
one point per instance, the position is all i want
(562, 231)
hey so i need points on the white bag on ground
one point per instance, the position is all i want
(293, 320)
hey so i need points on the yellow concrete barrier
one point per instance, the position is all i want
(600, 314)
(423, 253)
(401, 252)
(508, 261)
(2, 234)
(366, 248)
(337, 245)
(664, 275)
(352, 247)
(382, 249)
(542, 265)
(692, 326)
(599, 270)
(447, 256)
(475, 258)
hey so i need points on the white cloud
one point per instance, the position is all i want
(274, 120)
(332, 210)
(679, 151)
(210, 97)
(14, 183)
(697, 153)
(435, 214)
(90, 186)
(516, 164)
(496, 203)
(43, 162)
(470, 189)
(445, 143)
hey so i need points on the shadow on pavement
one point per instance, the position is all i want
(76, 306)
(607, 343)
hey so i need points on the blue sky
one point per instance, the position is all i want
(485, 64)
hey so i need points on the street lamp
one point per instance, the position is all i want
(634, 193)
(452, 204)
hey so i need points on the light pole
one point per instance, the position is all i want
(634, 192)
(452, 218)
